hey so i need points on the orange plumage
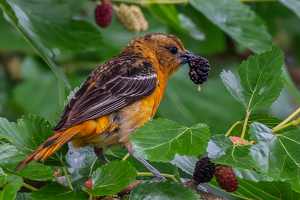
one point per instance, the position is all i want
(117, 97)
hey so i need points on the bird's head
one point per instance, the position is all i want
(167, 51)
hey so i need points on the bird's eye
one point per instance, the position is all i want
(173, 50)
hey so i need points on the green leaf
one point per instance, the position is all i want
(293, 5)
(183, 103)
(221, 150)
(162, 190)
(185, 163)
(28, 134)
(111, 178)
(22, 23)
(262, 190)
(249, 175)
(261, 80)
(55, 27)
(266, 190)
(58, 191)
(161, 139)
(36, 81)
(11, 184)
(168, 14)
(10, 157)
(23, 196)
(50, 10)
(56, 115)
(176, 174)
(82, 161)
(10, 39)
(214, 41)
(238, 21)
(276, 155)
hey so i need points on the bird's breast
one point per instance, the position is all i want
(141, 111)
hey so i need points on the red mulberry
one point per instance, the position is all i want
(104, 14)
(226, 178)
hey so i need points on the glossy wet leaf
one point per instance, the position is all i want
(23, 196)
(293, 5)
(250, 175)
(266, 190)
(82, 161)
(238, 21)
(10, 185)
(168, 14)
(185, 163)
(111, 178)
(276, 155)
(260, 82)
(161, 139)
(221, 150)
(262, 190)
(28, 134)
(58, 191)
(162, 190)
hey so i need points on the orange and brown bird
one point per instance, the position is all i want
(117, 98)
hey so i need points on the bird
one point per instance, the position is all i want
(117, 98)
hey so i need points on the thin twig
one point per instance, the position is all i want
(232, 127)
(29, 186)
(67, 177)
(244, 128)
(286, 120)
(126, 156)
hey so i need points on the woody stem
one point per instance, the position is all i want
(164, 175)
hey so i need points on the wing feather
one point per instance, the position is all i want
(129, 84)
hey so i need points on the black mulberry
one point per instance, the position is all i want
(199, 69)
(204, 170)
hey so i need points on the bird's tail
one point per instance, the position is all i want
(49, 147)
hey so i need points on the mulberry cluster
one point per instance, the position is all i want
(104, 14)
(226, 178)
(204, 170)
(199, 69)
(236, 139)
(132, 18)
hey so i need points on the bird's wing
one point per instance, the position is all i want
(108, 94)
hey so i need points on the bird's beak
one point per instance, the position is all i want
(187, 56)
